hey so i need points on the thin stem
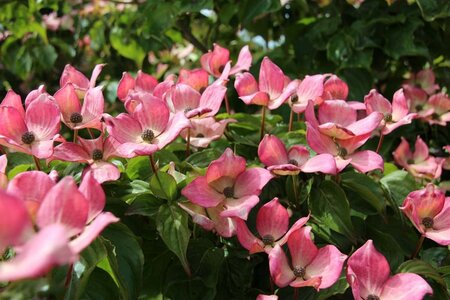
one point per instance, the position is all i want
(188, 143)
(294, 187)
(2, 151)
(295, 293)
(75, 135)
(37, 163)
(380, 142)
(418, 247)
(227, 104)
(291, 120)
(68, 276)
(91, 134)
(263, 121)
(153, 165)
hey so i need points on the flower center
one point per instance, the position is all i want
(428, 222)
(293, 162)
(388, 118)
(299, 271)
(97, 154)
(228, 192)
(268, 240)
(410, 161)
(419, 107)
(221, 68)
(202, 89)
(187, 109)
(28, 138)
(200, 135)
(373, 297)
(435, 116)
(76, 118)
(148, 135)
(342, 152)
(294, 99)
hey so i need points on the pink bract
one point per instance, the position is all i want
(79, 81)
(429, 211)
(272, 153)
(3, 177)
(272, 223)
(95, 152)
(311, 88)
(394, 115)
(206, 130)
(334, 88)
(309, 265)
(128, 86)
(32, 132)
(419, 163)
(76, 115)
(368, 274)
(228, 182)
(271, 91)
(214, 61)
(149, 128)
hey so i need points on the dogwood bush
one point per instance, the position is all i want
(179, 196)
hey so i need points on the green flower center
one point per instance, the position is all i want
(299, 271)
(268, 240)
(228, 192)
(97, 154)
(148, 135)
(373, 297)
(28, 138)
(76, 118)
(428, 222)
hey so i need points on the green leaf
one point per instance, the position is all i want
(138, 168)
(83, 269)
(434, 9)
(399, 184)
(145, 205)
(172, 225)
(400, 40)
(101, 286)
(366, 188)
(164, 186)
(330, 207)
(125, 259)
(203, 158)
(126, 45)
(422, 268)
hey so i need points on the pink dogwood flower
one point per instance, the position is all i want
(334, 88)
(425, 80)
(80, 82)
(197, 79)
(338, 120)
(76, 115)
(267, 297)
(214, 61)
(45, 250)
(205, 130)
(419, 163)
(210, 219)
(429, 211)
(368, 274)
(311, 88)
(3, 177)
(437, 110)
(272, 223)
(15, 223)
(227, 182)
(273, 154)
(149, 128)
(272, 90)
(344, 150)
(32, 132)
(184, 98)
(95, 152)
(394, 115)
(128, 86)
(309, 265)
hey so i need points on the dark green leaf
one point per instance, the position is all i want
(330, 207)
(164, 186)
(422, 268)
(172, 225)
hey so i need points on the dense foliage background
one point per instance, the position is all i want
(375, 44)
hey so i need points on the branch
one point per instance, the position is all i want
(183, 25)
